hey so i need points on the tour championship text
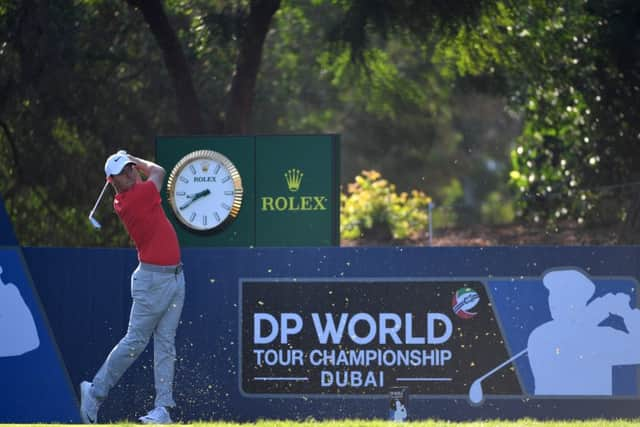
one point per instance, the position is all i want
(351, 350)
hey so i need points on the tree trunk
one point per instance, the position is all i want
(243, 86)
(189, 111)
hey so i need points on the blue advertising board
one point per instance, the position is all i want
(438, 337)
(34, 384)
(294, 333)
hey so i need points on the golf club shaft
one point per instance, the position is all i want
(99, 198)
(502, 365)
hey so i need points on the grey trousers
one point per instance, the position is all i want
(158, 298)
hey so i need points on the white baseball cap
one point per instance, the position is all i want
(116, 162)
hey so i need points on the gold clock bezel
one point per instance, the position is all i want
(233, 173)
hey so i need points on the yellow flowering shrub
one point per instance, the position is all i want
(371, 204)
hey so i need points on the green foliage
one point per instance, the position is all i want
(570, 69)
(85, 78)
(397, 112)
(556, 151)
(451, 210)
(424, 104)
(497, 210)
(448, 197)
(371, 205)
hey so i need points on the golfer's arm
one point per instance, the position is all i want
(152, 171)
(623, 347)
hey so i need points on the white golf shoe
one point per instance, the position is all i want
(158, 415)
(89, 405)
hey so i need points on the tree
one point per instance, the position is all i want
(86, 78)
(83, 84)
(188, 105)
(252, 31)
(572, 69)
(399, 110)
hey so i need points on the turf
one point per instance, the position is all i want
(379, 423)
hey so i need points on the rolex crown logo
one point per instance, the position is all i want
(293, 178)
(205, 166)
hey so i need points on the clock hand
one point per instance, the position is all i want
(186, 205)
(203, 193)
(194, 197)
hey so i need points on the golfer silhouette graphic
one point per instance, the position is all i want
(573, 354)
(18, 333)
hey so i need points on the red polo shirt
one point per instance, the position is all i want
(140, 210)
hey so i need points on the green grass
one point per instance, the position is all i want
(525, 422)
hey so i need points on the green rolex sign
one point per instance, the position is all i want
(280, 190)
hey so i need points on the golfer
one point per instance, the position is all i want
(157, 288)
(573, 353)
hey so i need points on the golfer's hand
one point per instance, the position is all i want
(152, 171)
(614, 303)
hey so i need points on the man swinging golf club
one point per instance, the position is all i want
(157, 287)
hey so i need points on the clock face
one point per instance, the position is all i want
(205, 190)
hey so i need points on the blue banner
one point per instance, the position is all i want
(34, 386)
(507, 332)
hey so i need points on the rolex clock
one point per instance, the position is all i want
(205, 190)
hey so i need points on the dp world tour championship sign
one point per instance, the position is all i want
(442, 337)
(363, 337)
(331, 333)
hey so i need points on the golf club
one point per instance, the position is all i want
(476, 395)
(94, 221)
